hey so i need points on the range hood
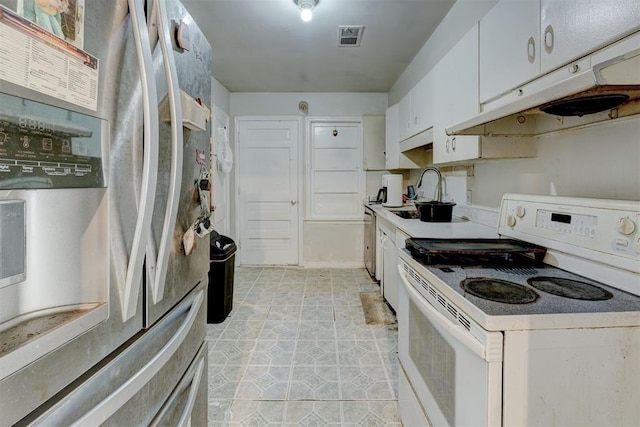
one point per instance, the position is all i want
(602, 86)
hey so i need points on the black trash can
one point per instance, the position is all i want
(222, 254)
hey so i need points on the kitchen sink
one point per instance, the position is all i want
(406, 214)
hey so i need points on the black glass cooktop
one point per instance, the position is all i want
(499, 290)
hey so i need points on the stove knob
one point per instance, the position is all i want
(511, 220)
(520, 211)
(626, 226)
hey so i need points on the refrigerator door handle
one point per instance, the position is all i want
(158, 269)
(110, 405)
(135, 266)
(185, 419)
(191, 380)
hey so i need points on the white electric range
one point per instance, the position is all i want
(488, 335)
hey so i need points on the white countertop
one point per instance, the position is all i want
(457, 228)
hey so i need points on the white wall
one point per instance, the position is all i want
(602, 162)
(220, 96)
(320, 104)
(325, 243)
(463, 15)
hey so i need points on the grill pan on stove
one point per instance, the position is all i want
(434, 251)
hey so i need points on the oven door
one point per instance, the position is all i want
(455, 374)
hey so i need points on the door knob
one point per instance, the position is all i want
(293, 202)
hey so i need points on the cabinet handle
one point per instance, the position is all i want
(548, 39)
(519, 92)
(531, 50)
(574, 68)
(415, 120)
(447, 145)
(453, 143)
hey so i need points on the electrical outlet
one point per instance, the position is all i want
(468, 197)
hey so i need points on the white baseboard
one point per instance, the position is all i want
(325, 264)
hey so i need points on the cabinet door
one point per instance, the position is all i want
(392, 139)
(390, 272)
(573, 28)
(442, 82)
(509, 46)
(463, 64)
(421, 105)
(455, 83)
(373, 142)
(404, 117)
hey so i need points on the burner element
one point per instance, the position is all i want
(568, 288)
(499, 290)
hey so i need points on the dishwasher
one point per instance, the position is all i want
(370, 241)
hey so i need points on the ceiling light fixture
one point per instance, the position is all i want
(306, 8)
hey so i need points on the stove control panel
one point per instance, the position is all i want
(602, 230)
(582, 225)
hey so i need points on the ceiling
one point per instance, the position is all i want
(264, 46)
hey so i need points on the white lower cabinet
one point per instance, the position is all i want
(389, 240)
(390, 260)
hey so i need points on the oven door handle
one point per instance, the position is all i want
(460, 333)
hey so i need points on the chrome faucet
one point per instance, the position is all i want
(438, 185)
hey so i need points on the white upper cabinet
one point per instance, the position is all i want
(572, 28)
(373, 142)
(392, 137)
(456, 98)
(394, 159)
(404, 117)
(509, 46)
(456, 95)
(421, 112)
(523, 39)
(414, 110)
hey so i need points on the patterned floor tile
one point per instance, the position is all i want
(219, 412)
(251, 413)
(348, 331)
(373, 414)
(365, 383)
(288, 312)
(313, 414)
(295, 351)
(242, 329)
(276, 352)
(249, 312)
(317, 352)
(317, 312)
(223, 381)
(359, 352)
(314, 383)
(230, 352)
(264, 383)
(280, 330)
(317, 299)
(316, 330)
(349, 315)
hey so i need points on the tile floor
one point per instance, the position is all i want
(296, 351)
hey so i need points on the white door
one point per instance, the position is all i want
(268, 191)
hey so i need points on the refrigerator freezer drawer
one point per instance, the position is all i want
(144, 375)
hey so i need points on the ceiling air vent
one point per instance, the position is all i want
(350, 35)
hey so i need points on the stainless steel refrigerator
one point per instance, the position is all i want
(104, 152)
